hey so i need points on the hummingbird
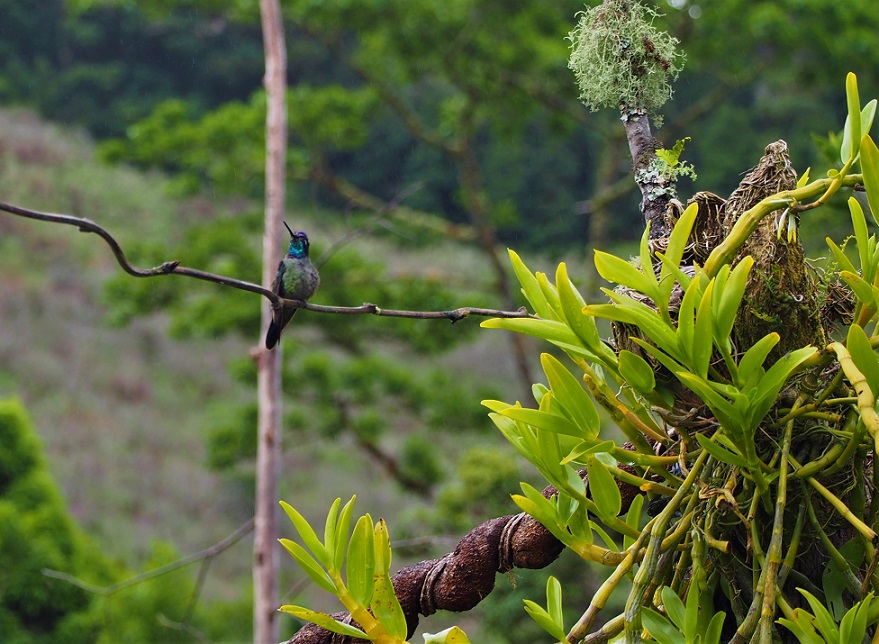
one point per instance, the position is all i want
(297, 279)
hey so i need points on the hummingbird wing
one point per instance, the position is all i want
(280, 317)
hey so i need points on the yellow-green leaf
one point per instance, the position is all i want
(361, 562)
(858, 345)
(307, 534)
(870, 169)
(324, 621)
(603, 489)
(570, 395)
(637, 372)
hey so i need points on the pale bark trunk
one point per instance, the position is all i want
(268, 457)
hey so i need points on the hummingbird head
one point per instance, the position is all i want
(298, 243)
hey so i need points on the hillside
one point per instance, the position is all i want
(124, 412)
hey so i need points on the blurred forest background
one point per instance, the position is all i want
(426, 135)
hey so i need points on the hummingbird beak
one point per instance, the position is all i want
(288, 230)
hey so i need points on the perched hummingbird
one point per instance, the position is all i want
(297, 279)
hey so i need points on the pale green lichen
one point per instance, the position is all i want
(620, 59)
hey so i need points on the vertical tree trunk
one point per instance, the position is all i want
(268, 456)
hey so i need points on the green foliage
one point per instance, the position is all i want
(620, 58)
(670, 163)
(684, 623)
(36, 532)
(103, 68)
(692, 339)
(366, 590)
(819, 626)
(550, 618)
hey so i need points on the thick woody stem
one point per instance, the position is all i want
(656, 188)
(461, 579)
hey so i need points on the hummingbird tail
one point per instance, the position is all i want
(273, 335)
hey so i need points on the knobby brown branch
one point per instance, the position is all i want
(461, 579)
(174, 268)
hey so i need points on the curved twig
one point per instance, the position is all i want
(206, 554)
(174, 268)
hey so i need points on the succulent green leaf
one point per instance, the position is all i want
(551, 330)
(361, 561)
(756, 355)
(633, 518)
(802, 628)
(675, 274)
(544, 420)
(516, 434)
(646, 258)
(772, 382)
(721, 453)
(804, 178)
(495, 405)
(531, 288)
(385, 605)
(635, 370)
(603, 487)
(554, 600)
(586, 447)
(731, 417)
(309, 565)
(582, 325)
(858, 345)
(729, 298)
(677, 243)
(691, 621)
(870, 169)
(823, 619)
(550, 295)
(674, 608)
(853, 626)
(343, 525)
(862, 289)
(382, 544)
(663, 358)
(330, 535)
(307, 534)
(704, 333)
(859, 224)
(660, 628)
(867, 116)
(545, 621)
(571, 396)
(852, 131)
(638, 314)
(619, 271)
(324, 621)
(841, 258)
(715, 629)
(545, 514)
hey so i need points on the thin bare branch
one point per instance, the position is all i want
(207, 553)
(167, 268)
(174, 268)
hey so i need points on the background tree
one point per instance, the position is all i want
(201, 146)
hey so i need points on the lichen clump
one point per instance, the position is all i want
(621, 60)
